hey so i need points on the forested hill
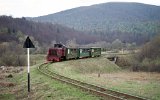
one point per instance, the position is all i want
(135, 21)
(104, 15)
(14, 29)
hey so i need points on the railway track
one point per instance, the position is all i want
(100, 91)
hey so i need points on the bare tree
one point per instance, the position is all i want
(71, 43)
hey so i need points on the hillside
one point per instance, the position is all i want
(138, 22)
(44, 33)
(98, 65)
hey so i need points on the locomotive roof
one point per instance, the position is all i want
(59, 45)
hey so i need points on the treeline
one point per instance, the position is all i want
(11, 50)
(138, 32)
(44, 33)
(146, 59)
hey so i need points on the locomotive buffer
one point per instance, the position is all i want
(28, 44)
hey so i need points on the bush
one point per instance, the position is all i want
(11, 59)
(11, 54)
(148, 65)
(148, 59)
(123, 62)
(151, 65)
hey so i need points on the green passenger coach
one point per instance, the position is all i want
(72, 53)
(95, 52)
(84, 52)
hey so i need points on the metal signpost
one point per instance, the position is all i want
(28, 44)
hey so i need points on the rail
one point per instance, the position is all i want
(97, 90)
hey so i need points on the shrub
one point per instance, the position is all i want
(148, 59)
(11, 59)
(11, 54)
(148, 65)
(123, 62)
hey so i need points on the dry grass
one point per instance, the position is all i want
(42, 88)
(121, 77)
(7, 83)
(137, 83)
(131, 76)
(144, 84)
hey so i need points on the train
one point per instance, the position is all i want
(61, 53)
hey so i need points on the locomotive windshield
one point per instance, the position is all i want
(52, 52)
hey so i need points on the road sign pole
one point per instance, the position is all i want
(28, 70)
(28, 44)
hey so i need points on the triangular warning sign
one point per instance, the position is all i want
(28, 43)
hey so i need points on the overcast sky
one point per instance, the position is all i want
(34, 8)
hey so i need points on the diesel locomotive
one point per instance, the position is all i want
(60, 52)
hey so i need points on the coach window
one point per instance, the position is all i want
(80, 50)
(68, 51)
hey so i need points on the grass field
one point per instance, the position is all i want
(42, 87)
(111, 76)
(97, 71)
